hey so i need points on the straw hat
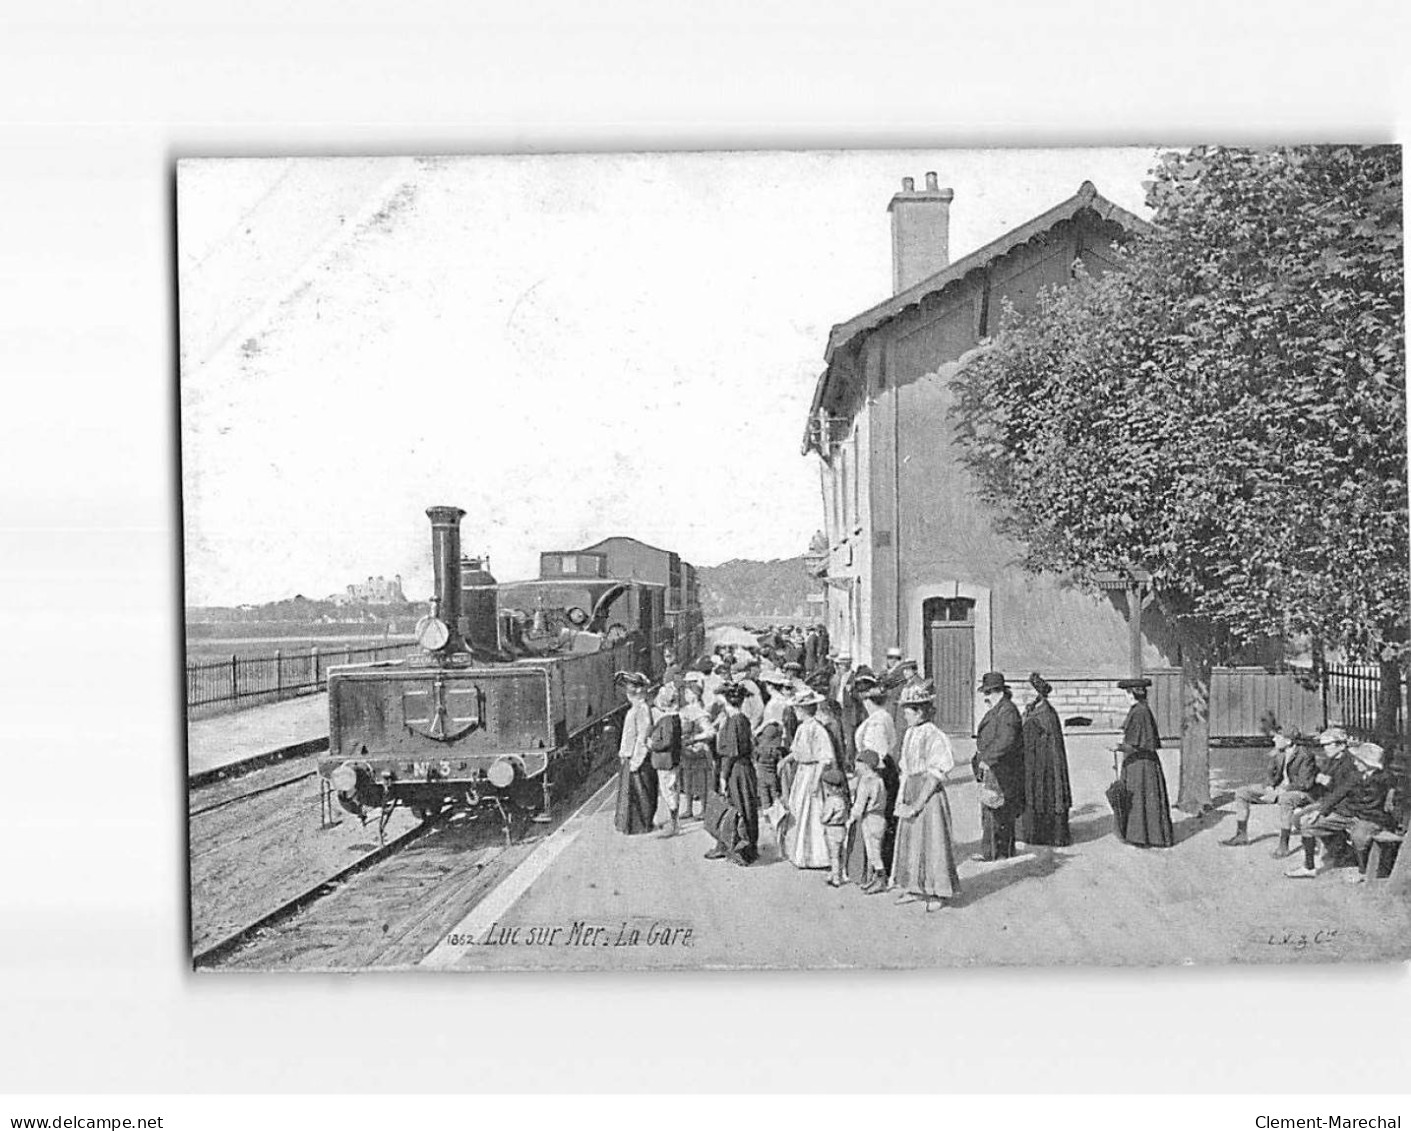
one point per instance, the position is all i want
(920, 694)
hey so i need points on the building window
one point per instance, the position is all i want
(570, 564)
(836, 481)
(856, 475)
(950, 609)
(845, 488)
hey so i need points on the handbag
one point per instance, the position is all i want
(991, 795)
(720, 817)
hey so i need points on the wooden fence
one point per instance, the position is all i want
(250, 680)
(1296, 697)
(1239, 699)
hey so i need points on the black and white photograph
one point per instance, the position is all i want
(795, 560)
(746, 564)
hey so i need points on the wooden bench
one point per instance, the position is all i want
(1396, 835)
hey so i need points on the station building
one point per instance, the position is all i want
(913, 558)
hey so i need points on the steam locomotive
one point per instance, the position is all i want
(511, 699)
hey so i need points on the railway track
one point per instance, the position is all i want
(390, 909)
(245, 795)
(258, 846)
(216, 951)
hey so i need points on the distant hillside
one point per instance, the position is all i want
(741, 588)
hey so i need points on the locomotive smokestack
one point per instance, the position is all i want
(446, 564)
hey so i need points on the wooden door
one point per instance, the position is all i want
(950, 663)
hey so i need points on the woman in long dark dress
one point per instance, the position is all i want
(737, 831)
(1047, 793)
(1147, 822)
(637, 781)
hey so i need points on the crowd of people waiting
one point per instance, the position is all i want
(847, 766)
(849, 769)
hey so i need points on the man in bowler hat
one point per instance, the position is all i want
(999, 754)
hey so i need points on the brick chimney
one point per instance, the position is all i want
(920, 232)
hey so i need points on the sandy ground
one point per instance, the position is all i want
(231, 738)
(613, 902)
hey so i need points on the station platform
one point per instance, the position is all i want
(590, 898)
(259, 736)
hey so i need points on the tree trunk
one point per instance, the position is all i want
(1194, 795)
(1389, 703)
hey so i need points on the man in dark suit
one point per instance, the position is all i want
(999, 756)
(840, 690)
(813, 653)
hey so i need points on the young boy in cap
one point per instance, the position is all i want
(1289, 785)
(835, 821)
(869, 815)
(1357, 808)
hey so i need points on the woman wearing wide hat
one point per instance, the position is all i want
(1146, 821)
(811, 753)
(732, 817)
(999, 763)
(637, 781)
(1047, 793)
(924, 864)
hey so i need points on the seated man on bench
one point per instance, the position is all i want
(1290, 786)
(1355, 805)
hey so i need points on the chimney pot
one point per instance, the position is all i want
(920, 232)
(908, 184)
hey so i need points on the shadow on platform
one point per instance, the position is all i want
(1032, 863)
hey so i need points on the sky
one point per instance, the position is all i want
(567, 347)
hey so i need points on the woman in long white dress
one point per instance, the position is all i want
(810, 754)
(923, 866)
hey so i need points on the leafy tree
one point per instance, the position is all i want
(1227, 412)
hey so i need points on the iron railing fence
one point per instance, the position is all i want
(1351, 693)
(248, 680)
